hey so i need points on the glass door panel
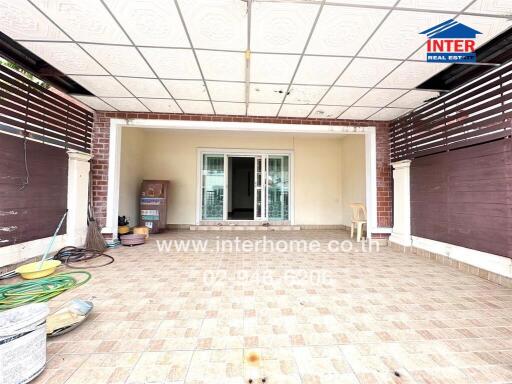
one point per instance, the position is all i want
(212, 198)
(278, 187)
(260, 187)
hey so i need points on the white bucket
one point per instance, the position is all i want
(22, 343)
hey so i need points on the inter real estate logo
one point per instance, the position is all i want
(451, 42)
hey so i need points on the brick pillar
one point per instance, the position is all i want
(384, 179)
(100, 152)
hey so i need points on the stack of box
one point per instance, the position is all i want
(153, 204)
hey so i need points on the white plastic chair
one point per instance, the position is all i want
(358, 219)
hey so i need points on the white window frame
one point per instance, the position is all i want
(230, 152)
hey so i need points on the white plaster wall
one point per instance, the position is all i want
(353, 174)
(318, 169)
(131, 173)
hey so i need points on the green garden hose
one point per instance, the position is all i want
(40, 290)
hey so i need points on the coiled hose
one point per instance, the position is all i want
(70, 255)
(40, 290)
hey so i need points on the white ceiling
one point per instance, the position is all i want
(348, 59)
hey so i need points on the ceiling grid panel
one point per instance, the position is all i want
(150, 23)
(13, 22)
(190, 106)
(357, 53)
(140, 87)
(319, 12)
(78, 45)
(261, 56)
(85, 21)
(111, 101)
(412, 54)
(247, 59)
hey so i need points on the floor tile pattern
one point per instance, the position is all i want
(314, 317)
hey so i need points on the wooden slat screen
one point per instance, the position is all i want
(475, 113)
(33, 189)
(464, 197)
(29, 110)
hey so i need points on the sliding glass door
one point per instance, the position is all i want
(271, 186)
(278, 187)
(260, 187)
(213, 187)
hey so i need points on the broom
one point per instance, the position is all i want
(94, 239)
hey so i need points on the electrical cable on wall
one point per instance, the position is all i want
(27, 174)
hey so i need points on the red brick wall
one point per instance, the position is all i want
(100, 148)
(384, 179)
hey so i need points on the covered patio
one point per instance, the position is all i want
(216, 155)
(314, 317)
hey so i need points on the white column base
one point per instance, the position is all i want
(401, 239)
(401, 233)
(78, 197)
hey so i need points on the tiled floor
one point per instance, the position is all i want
(314, 317)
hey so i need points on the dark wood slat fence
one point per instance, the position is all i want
(464, 197)
(475, 113)
(33, 189)
(32, 111)
(461, 170)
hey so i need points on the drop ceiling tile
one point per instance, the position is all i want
(389, 113)
(172, 63)
(327, 112)
(384, 3)
(489, 26)
(263, 109)
(126, 104)
(144, 87)
(229, 108)
(20, 20)
(103, 86)
(194, 106)
(68, 58)
(320, 70)
(84, 21)
(440, 5)
(343, 95)
(379, 97)
(216, 65)
(119, 61)
(267, 93)
(358, 113)
(222, 91)
(94, 102)
(161, 105)
(343, 30)
(305, 94)
(411, 74)
(493, 7)
(269, 68)
(399, 35)
(187, 89)
(366, 72)
(219, 24)
(281, 27)
(413, 99)
(150, 22)
(295, 110)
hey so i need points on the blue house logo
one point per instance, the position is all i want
(451, 42)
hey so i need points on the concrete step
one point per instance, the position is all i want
(243, 227)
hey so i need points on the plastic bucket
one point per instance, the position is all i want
(22, 343)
